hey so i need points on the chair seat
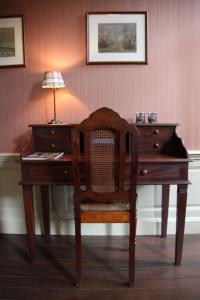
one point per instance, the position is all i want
(92, 206)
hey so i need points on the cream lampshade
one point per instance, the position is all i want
(53, 80)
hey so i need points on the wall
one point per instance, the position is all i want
(55, 38)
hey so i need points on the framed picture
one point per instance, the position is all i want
(117, 37)
(11, 42)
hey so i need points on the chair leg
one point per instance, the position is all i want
(78, 249)
(132, 243)
(132, 253)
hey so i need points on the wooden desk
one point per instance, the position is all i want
(163, 160)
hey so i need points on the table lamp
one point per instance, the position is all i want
(53, 80)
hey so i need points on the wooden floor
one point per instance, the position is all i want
(104, 269)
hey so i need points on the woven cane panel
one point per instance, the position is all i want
(93, 206)
(104, 159)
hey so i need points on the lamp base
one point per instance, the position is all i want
(55, 122)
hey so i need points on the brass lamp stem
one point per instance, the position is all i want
(54, 121)
(54, 103)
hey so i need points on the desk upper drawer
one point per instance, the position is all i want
(152, 145)
(52, 139)
(152, 138)
(160, 132)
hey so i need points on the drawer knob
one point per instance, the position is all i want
(156, 131)
(65, 172)
(155, 145)
(52, 132)
(52, 145)
(144, 172)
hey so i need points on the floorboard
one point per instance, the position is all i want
(105, 271)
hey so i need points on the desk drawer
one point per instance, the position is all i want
(172, 172)
(156, 132)
(42, 173)
(150, 145)
(38, 172)
(153, 138)
(52, 139)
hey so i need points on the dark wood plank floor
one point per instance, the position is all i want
(105, 270)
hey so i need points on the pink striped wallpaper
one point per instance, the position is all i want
(55, 38)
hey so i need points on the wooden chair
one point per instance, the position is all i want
(109, 161)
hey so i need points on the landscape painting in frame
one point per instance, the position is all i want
(11, 42)
(117, 38)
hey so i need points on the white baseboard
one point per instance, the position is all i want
(15, 223)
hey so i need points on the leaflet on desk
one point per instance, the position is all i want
(43, 156)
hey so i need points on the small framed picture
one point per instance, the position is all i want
(119, 38)
(12, 42)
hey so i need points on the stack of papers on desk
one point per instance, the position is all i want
(43, 156)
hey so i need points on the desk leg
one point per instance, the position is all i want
(30, 224)
(180, 221)
(45, 208)
(165, 206)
